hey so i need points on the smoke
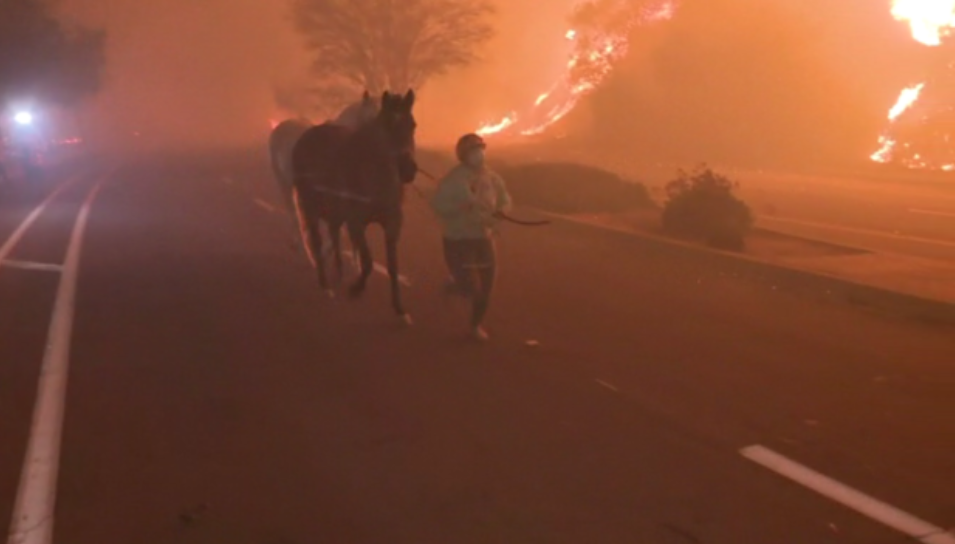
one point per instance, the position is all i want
(725, 80)
(763, 82)
(202, 73)
(190, 73)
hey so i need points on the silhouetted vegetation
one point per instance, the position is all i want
(383, 45)
(572, 188)
(701, 205)
(44, 59)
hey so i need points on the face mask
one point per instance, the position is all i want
(475, 158)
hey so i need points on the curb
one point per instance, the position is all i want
(834, 288)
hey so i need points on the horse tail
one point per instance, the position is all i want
(303, 221)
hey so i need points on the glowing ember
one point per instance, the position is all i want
(930, 22)
(906, 99)
(592, 59)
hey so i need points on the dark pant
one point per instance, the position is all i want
(468, 260)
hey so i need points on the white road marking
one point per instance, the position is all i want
(29, 265)
(36, 497)
(931, 212)
(14, 238)
(265, 205)
(873, 508)
(608, 386)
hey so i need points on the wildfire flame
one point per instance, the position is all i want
(930, 21)
(593, 57)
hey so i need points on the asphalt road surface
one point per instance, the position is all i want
(629, 394)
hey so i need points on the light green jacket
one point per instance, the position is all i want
(467, 200)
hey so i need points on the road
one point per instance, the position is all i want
(215, 395)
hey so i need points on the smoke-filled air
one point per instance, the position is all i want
(735, 81)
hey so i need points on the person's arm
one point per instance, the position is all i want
(504, 201)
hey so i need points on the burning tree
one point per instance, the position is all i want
(44, 59)
(394, 45)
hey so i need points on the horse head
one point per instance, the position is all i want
(396, 118)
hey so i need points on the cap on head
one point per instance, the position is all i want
(467, 143)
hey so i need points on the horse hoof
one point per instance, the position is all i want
(406, 320)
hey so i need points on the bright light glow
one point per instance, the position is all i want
(23, 118)
(930, 21)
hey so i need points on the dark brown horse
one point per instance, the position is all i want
(356, 177)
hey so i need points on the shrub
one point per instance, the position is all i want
(701, 205)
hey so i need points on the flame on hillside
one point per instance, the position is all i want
(594, 53)
(930, 22)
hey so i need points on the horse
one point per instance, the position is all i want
(354, 178)
(282, 141)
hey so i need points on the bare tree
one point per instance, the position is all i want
(392, 45)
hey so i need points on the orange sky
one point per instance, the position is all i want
(201, 71)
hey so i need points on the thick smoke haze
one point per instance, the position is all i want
(735, 80)
(201, 73)
(761, 82)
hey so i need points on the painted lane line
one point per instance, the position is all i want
(931, 212)
(875, 509)
(608, 386)
(14, 238)
(36, 496)
(29, 265)
(265, 205)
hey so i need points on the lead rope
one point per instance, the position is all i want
(499, 215)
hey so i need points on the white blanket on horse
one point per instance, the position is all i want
(356, 115)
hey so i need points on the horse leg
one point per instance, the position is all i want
(356, 231)
(392, 235)
(335, 233)
(308, 219)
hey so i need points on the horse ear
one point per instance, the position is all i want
(365, 97)
(409, 99)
